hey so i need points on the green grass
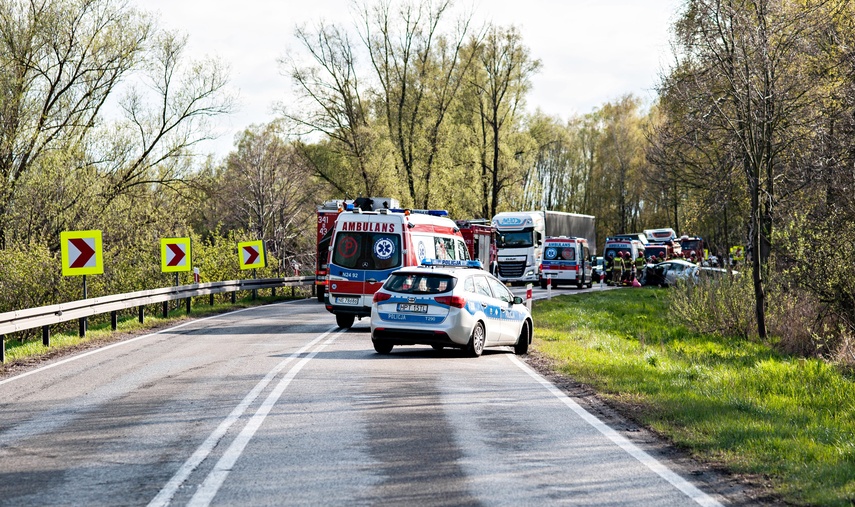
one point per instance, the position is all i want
(99, 329)
(728, 401)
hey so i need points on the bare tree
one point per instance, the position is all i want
(62, 60)
(330, 101)
(504, 68)
(740, 64)
(420, 71)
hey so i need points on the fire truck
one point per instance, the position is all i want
(479, 235)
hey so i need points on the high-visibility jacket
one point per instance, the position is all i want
(639, 262)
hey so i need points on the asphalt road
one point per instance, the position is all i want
(275, 406)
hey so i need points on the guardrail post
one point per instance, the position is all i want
(81, 328)
(141, 309)
(273, 291)
(292, 291)
(46, 336)
(211, 299)
(234, 296)
(2, 348)
(114, 320)
(166, 309)
(188, 305)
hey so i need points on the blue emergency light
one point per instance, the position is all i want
(452, 263)
(431, 212)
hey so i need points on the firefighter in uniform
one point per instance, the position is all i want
(617, 266)
(610, 266)
(620, 268)
(640, 264)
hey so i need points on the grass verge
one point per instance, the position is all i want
(729, 401)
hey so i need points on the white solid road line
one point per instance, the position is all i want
(208, 490)
(132, 340)
(647, 460)
(164, 497)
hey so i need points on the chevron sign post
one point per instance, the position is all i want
(174, 255)
(81, 253)
(251, 254)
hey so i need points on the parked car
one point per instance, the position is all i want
(448, 304)
(667, 273)
(598, 269)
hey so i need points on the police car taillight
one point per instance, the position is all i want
(379, 297)
(455, 301)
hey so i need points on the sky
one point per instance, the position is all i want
(591, 51)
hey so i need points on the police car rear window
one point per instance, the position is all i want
(419, 283)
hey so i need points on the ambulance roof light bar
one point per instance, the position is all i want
(431, 212)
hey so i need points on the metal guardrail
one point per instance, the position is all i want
(46, 316)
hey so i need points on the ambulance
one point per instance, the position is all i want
(566, 260)
(367, 246)
(327, 215)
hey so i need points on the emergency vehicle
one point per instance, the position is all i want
(615, 245)
(566, 260)
(479, 236)
(367, 246)
(327, 214)
(693, 244)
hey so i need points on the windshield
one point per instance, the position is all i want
(419, 283)
(518, 239)
(692, 244)
(367, 250)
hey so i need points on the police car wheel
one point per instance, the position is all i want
(344, 321)
(521, 347)
(382, 347)
(476, 341)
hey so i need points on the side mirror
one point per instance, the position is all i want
(518, 300)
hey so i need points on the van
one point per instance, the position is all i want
(566, 260)
(368, 245)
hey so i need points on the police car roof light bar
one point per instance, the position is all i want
(452, 263)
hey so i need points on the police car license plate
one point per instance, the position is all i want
(409, 307)
(347, 301)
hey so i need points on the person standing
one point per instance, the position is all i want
(610, 266)
(617, 269)
(640, 264)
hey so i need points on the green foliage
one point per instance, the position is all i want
(716, 305)
(727, 399)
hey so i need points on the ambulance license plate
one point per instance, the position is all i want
(409, 307)
(346, 300)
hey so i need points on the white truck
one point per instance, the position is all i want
(520, 236)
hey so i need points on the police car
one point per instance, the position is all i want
(448, 304)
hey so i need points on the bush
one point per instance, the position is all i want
(716, 306)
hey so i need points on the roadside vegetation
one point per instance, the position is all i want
(729, 399)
